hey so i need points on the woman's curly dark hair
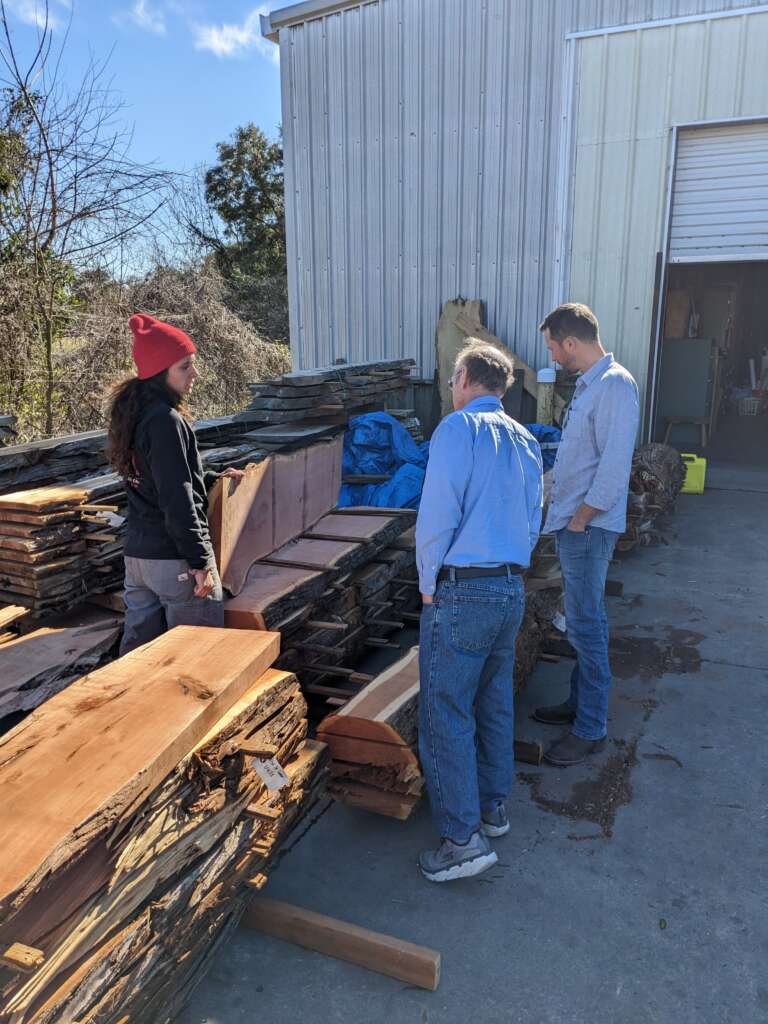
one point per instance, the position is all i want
(127, 402)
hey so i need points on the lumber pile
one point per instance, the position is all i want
(373, 740)
(335, 592)
(131, 838)
(53, 549)
(74, 456)
(328, 391)
(658, 474)
(63, 543)
(36, 665)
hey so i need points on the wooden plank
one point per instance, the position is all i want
(22, 958)
(31, 664)
(409, 963)
(357, 751)
(10, 614)
(290, 487)
(318, 554)
(271, 589)
(241, 520)
(323, 479)
(389, 690)
(357, 529)
(378, 801)
(99, 735)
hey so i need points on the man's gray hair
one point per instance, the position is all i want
(486, 365)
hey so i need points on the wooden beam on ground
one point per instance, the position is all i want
(397, 958)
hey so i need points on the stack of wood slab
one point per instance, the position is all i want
(75, 456)
(408, 419)
(373, 743)
(658, 474)
(140, 807)
(334, 592)
(37, 664)
(330, 391)
(51, 553)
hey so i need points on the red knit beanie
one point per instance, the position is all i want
(157, 345)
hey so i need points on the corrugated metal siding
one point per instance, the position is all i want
(720, 203)
(422, 141)
(632, 88)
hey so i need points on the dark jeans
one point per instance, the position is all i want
(159, 594)
(584, 559)
(466, 726)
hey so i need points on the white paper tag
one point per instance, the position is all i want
(272, 775)
(559, 622)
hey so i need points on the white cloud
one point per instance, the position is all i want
(230, 40)
(143, 16)
(32, 12)
(146, 18)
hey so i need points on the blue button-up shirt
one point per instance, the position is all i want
(594, 459)
(482, 497)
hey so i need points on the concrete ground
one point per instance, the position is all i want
(631, 891)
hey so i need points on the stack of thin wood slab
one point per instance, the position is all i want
(40, 663)
(373, 740)
(140, 806)
(329, 391)
(74, 456)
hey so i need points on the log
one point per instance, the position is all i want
(414, 965)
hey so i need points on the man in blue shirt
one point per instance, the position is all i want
(478, 522)
(588, 513)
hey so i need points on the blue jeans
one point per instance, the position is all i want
(584, 559)
(159, 594)
(466, 726)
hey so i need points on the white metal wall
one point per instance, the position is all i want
(632, 88)
(720, 199)
(422, 142)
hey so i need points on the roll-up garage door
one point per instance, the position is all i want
(720, 199)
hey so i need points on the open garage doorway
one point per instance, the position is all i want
(713, 368)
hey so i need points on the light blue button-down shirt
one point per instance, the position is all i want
(594, 459)
(482, 497)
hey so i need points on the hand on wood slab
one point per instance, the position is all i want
(233, 474)
(204, 582)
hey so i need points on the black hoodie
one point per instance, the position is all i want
(168, 494)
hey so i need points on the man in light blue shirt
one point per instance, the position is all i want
(478, 522)
(587, 514)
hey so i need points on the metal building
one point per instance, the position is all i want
(522, 152)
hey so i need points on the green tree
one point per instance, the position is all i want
(245, 189)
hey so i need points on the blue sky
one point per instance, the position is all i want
(189, 71)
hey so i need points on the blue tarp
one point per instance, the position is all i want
(377, 444)
(549, 439)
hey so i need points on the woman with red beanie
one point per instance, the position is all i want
(170, 570)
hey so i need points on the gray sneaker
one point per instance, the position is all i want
(451, 861)
(495, 823)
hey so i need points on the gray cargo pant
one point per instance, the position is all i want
(159, 594)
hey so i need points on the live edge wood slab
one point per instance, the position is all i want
(100, 735)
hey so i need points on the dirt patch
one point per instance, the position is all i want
(644, 658)
(594, 800)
